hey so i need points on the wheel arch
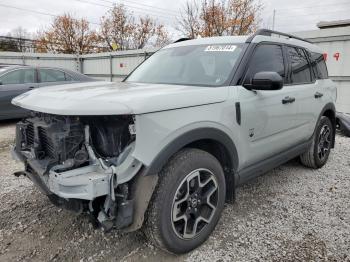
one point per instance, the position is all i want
(211, 140)
(330, 112)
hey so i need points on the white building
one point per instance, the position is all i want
(334, 38)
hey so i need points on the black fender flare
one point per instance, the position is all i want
(167, 152)
(331, 107)
(192, 136)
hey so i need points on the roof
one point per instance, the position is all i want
(291, 41)
(4, 68)
(242, 39)
(331, 24)
(210, 40)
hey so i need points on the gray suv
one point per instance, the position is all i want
(165, 148)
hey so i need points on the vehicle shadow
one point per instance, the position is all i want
(8, 122)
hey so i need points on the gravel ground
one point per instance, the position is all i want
(289, 214)
(7, 133)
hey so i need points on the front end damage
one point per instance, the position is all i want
(84, 163)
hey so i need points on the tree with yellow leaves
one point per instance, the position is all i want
(69, 36)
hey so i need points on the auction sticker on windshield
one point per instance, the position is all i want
(220, 48)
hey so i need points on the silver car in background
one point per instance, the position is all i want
(18, 79)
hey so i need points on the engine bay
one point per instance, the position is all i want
(58, 141)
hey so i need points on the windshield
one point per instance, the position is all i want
(208, 65)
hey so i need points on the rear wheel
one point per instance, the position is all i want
(187, 202)
(319, 151)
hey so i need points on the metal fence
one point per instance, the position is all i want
(55, 60)
(112, 66)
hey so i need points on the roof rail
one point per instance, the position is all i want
(182, 39)
(268, 32)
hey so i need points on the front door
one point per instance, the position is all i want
(268, 117)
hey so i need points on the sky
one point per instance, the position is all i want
(290, 16)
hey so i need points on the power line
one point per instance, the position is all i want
(158, 13)
(36, 12)
(136, 3)
(53, 15)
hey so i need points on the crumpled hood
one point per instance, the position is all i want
(108, 98)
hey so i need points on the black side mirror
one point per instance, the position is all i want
(266, 81)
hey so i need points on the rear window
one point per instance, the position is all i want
(319, 65)
(51, 75)
(301, 73)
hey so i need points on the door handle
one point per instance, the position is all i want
(318, 95)
(31, 87)
(288, 100)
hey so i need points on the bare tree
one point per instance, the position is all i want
(68, 35)
(189, 23)
(142, 32)
(216, 18)
(21, 36)
(162, 37)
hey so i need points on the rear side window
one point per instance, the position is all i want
(68, 77)
(21, 76)
(319, 65)
(300, 68)
(266, 58)
(51, 75)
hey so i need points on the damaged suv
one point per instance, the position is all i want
(165, 148)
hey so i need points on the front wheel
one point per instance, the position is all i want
(318, 153)
(187, 202)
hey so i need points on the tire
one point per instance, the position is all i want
(318, 153)
(174, 200)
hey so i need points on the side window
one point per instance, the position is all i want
(68, 77)
(266, 58)
(319, 65)
(51, 75)
(301, 72)
(20, 76)
(28, 76)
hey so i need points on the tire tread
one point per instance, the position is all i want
(308, 158)
(151, 226)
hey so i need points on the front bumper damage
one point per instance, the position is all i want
(92, 187)
(85, 183)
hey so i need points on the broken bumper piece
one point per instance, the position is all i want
(82, 183)
(85, 183)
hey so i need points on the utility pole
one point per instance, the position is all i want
(273, 19)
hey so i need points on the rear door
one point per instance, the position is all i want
(268, 122)
(303, 81)
(14, 83)
(50, 76)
